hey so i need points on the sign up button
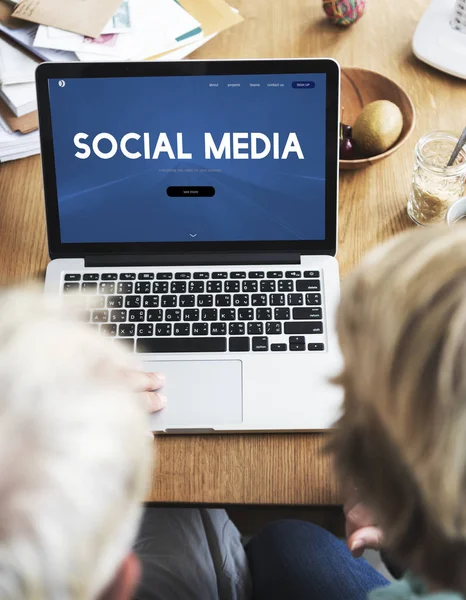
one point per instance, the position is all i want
(306, 85)
(190, 191)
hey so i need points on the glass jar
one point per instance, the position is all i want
(434, 185)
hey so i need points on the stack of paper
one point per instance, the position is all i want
(15, 145)
(18, 105)
(95, 30)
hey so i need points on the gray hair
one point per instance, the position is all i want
(74, 454)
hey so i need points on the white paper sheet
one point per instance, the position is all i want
(15, 66)
(25, 37)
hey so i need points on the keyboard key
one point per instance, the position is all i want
(255, 329)
(219, 275)
(145, 329)
(125, 288)
(239, 344)
(163, 275)
(313, 299)
(191, 314)
(313, 327)
(108, 330)
(182, 275)
(126, 330)
(99, 316)
(297, 347)
(109, 277)
(227, 314)
(99, 302)
(218, 329)
(311, 274)
(263, 314)
(182, 344)
(118, 316)
(178, 287)
(205, 300)
(127, 276)
(293, 274)
(285, 286)
(273, 328)
(113, 301)
(307, 313)
(240, 300)
(188, 300)
(274, 274)
(128, 343)
(310, 285)
(315, 346)
(200, 329)
(202, 275)
(295, 299)
(238, 275)
(260, 344)
(84, 316)
(89, 287)
(259, 299)
(169, 301)
(237, 329)
(107, 288)
(223, 300)
(209, 314)
(136, 315)
(155, 315)
(281, 314)
(245, 314)
(267, 286)
(73, 277)
(181, 329)
(297, 342)
(71, 287)
(196, 287)
(277, 299)
(173, 314)
(142, 287)
(148, 301)
(145, 276)
(163, 329)
(90, 277)
(232, 286)
(160, 287)
(135, 301)
(214, 287)
(278, 347)
(250, 286)
(256, 274)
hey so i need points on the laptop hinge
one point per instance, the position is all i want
(192, 259)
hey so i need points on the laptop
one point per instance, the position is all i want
(193, 204)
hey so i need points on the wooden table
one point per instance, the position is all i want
(274, 469)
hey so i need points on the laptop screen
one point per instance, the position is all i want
(205, 158)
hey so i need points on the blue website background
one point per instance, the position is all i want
(124, 200)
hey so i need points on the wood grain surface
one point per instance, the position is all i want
(274, 469)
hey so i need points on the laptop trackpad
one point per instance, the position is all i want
(201, 394)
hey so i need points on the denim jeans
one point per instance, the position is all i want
(295, 560)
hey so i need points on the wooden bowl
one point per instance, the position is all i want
(361, 86)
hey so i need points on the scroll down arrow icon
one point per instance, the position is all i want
(193, 234)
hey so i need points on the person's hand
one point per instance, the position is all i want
(361, 529)
(149, 384)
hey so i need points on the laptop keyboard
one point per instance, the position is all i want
(204, 311)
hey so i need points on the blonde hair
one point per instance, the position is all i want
(402, 435)
(74, 455)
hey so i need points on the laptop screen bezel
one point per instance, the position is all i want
(58, 249)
